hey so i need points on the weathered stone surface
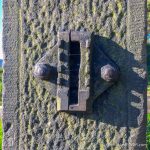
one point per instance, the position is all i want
(30, 117)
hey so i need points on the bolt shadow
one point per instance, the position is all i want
(120, 104)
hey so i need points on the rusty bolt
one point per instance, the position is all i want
(109, 73)
(42, 71)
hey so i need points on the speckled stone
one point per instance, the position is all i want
(30, 117)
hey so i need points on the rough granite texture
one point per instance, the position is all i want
(30, 119)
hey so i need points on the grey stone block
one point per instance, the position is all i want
(30, 117)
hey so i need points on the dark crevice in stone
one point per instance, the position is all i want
(7, 126)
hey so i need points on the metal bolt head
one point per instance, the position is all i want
(42, 71)
(109, 73)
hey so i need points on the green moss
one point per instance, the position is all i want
(148, 5)
(148, 132)
(63, 7)
(119, 5)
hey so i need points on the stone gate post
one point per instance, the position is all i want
(74, 74)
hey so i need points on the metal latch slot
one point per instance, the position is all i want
(73, 56)
(74, 66)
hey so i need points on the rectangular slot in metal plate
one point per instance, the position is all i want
(73, 89)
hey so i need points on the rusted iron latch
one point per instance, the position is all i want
(74, 70)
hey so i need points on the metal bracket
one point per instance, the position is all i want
(79, 81)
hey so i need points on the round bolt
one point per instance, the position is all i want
(42, 71)
(109, 73)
